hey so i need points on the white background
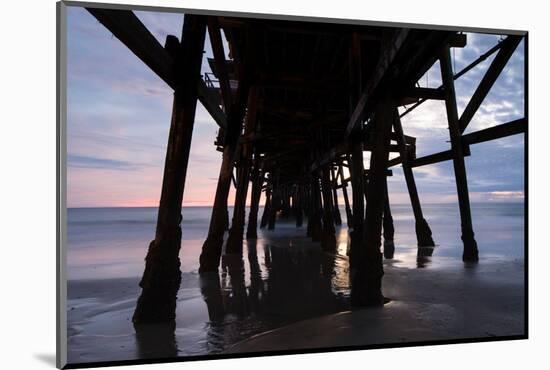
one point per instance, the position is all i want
(27, 144)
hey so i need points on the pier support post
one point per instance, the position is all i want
(389, 246)
(367, 277)
(212, 247)
(470, 253)
(336, 209)
(349, 215)
(423, 231)
(162, 276)
(265, 213)
(257, 179)
(235, 238)
(314, 221)
(309, 211)
(297, 205)
(328, 240)
(273, 208)
(356, 168)
(285, 203)
(358, 197)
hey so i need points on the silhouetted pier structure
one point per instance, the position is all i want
(298, 104)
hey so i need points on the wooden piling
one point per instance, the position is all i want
(316, 211)
(349, 215)
(357, 169)
(267, 205)
(257, 180)
(297, 205)
(336, 209)
(368, 269)
(212, 247)
(423, 231)
(328, 241)
(470, 253)
(235, 238)
(274, 207)
(162, 276)
(309, 210)
(389, 246)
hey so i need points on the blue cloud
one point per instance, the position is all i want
(80, 161)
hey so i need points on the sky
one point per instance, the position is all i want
(119, 116)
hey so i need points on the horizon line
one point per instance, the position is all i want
(262, 205)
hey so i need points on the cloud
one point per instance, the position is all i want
(506, 195)
(119, 116)
(79, 161)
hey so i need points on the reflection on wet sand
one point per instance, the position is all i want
(296, 283)
(276, 285)
(156, 340)
(424, 256)
(389, 249)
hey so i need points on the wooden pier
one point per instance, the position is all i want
(298, 104)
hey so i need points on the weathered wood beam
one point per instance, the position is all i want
(235, 239)
(424, 93)
(388, 228)
(445, 155)
(219, 220)
(267, 206)
(342, 148)
(349, 215)
(356, 165)
(408, 139)
(366, 282)
(162, 276)
(470, 253)
(126, 27)
(492, 133)
(462, 72)
(330, 155)
(257, 180)
(508, 46)
(386, 58)
(336, 208)
(421, 57)
(423, 231)
(286, 79)
(367, 147)
(389, 173)
(506, 129)
(314, 225)
(208, 100)
(328, 238)
(394, 162)
(458, 41)
(219, 60)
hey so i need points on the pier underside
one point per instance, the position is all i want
(299, 106)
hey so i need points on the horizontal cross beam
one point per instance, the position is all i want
(492, 133)
(506, 129)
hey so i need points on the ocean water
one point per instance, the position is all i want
(282, 278)
(108, 243)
